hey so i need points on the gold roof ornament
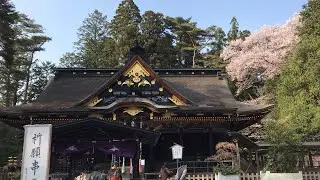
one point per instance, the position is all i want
(136, 72)
(132, 110)
(127, 82)
(176, 100)
(94, 101)
(144, 83)
(167, 115)
(151, 115)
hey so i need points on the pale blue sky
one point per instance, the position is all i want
(62, 18)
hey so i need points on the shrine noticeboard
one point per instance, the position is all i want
(36, 152)
(177, 151)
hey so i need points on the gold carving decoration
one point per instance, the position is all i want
(176, 100)
(167, 115)
(136, 74)
(94, 101)
(151, 115)
(143, 83)
(132, 111)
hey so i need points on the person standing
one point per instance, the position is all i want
(115, 172)
(165, 173)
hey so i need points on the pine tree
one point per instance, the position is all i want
(243, 34)
(157, 43)
(40, 76)
(124, 28)
(187, 39)
(30, 41)
(233, 33)
(94, 48)
(8, 17)
(214, 42)
(9, 145)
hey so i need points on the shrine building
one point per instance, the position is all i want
(136, 112)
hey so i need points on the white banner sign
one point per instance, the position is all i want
(36, 152)
(177, 151)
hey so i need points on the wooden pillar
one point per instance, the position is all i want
(257, 161)
(210, 141)
(310, 158)
(250, 157)
(70, 167)
(150, 162)
(53, 160)
(181, 136)
(238, 152)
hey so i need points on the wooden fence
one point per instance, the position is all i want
(4, 174)
(311, 175)
(244, 176)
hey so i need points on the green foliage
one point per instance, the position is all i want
(155, 40)
(299, 88)
(20, 39)
(215, 39)
(226, 169)
(40, 76)
(10, 145)
(282, 155)
(15, 175)
(233, 33)
(298, 94)
(124, 27)
(94, 48)
(8, 17)
(243, 34)
(187, 39)
(169, 42)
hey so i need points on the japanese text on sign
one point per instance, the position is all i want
(36, 152)
(177, 151)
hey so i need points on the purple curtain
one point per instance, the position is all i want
(117, 148)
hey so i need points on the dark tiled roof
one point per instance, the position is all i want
(70, 90)
(207, 90)
(70, 87)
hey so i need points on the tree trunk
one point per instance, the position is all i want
(193, 58)
(7, 100)
(25, 98)
(194, 51)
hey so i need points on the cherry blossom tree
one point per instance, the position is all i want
(261, 55)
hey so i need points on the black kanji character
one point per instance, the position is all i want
(36, 137)
(35, 166)
(35, 153)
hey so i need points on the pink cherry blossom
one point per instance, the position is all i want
(263, 49)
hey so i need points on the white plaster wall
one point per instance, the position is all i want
(278, 176)
(219, 176)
